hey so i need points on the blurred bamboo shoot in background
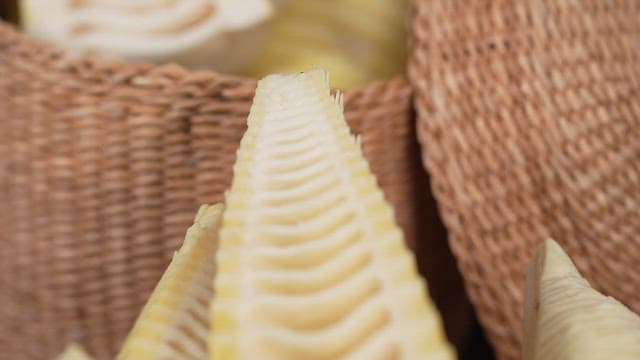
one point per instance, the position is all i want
(357, 41)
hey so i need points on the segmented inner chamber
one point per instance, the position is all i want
(311, 263)
(174, 323)
(187, 334)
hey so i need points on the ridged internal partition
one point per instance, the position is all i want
(174, 323)
(311, 262)
(73, 142)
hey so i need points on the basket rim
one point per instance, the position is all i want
(13, 31)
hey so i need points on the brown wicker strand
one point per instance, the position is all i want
(105, 164)
(528, 116)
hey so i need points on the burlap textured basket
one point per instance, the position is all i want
(529, 119)
(102, 168)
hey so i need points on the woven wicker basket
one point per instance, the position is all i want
(103, 165)
(529, 119)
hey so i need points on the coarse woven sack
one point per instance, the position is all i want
(529, 120)
(102, 168)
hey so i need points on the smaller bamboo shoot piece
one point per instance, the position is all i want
(74, 352)
(174, 324)
(566, 319)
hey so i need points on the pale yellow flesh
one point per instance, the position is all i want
(74, 352)
(358, 41)
(174, 323)
(311, 263)
(566, 319)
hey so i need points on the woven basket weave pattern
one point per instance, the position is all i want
(529, 120)
(528, 117)
(102, 167)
